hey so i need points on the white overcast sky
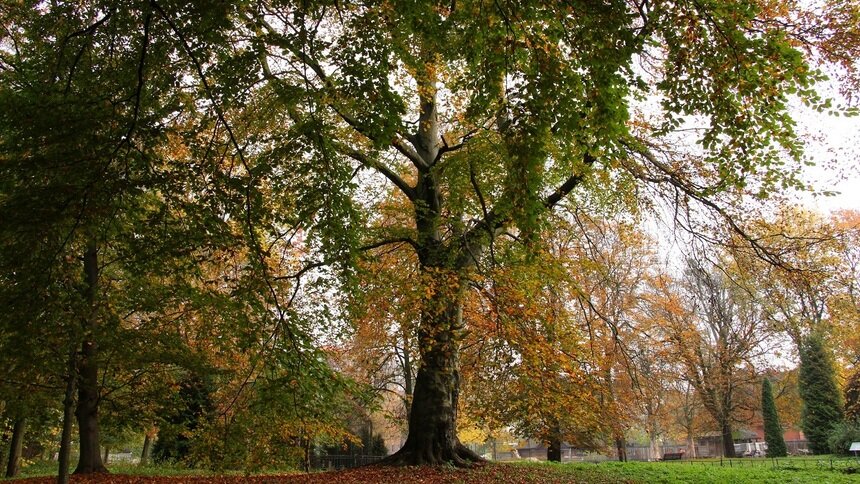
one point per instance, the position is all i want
(834, 144)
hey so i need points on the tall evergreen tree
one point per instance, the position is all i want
(772, 427)
(822, 402)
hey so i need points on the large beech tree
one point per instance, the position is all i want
(481, 115)
(485, 115)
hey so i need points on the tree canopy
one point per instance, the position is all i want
(221, 190)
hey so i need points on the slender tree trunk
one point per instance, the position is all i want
(106, 456)
(88, 388)
(16, 445)
(407, 376)
(728, 440)
(144, 454)
(68, 414)
(691, 445)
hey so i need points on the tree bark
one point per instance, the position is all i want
(144, 454)
(68, 413)
(90, 460)
(653, 449)
(621, 447)
(432, 435)
(553, 450)
(407, 376)
(87, 412)
(106, 456)
(16, 445)
(728, 440)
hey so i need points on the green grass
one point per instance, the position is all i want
(671, 472)
(49, 468)
(815, 469)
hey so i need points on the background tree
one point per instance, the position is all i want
(772, 428)
(684, 409)
(715, 334)
(822, 400)
(122, 248)
(852, 396)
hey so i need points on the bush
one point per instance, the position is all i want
(842, 436)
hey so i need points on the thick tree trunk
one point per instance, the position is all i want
(691, 446)
(68, 414)
(16, 445)
(553, 450)
(728, 440)
(433, 419)
(653, 449)
(87, 412)
(621, 448)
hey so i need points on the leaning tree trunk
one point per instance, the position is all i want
(16, 445)
(87, 412)
(147, 441)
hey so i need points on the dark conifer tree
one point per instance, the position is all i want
(772, 427)
(822, 401)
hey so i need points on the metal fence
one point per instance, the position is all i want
(776, 463)
(635, 452)
(334, 462)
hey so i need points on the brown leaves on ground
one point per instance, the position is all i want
(487, 473)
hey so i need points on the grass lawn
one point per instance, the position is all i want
(606, 472)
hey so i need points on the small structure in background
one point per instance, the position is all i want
(855, 448)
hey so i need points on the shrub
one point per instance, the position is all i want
(842, 435)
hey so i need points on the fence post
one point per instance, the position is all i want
(721, 461)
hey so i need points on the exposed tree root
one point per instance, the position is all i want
(458, 456)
